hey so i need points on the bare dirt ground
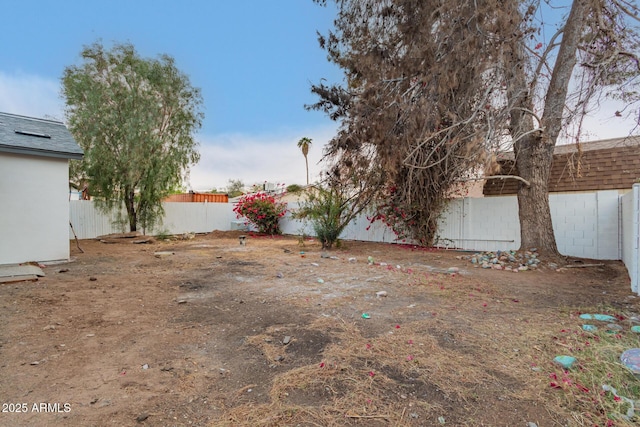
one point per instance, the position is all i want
(220, 334)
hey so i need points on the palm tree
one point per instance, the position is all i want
(304, 145)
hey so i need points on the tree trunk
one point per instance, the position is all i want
(306, 162)
(131, 210)
(533, 161)
(534, 150)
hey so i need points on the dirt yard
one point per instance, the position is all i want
(276, 333)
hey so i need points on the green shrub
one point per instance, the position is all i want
(329, 209)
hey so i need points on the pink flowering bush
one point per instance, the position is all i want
(263, 210)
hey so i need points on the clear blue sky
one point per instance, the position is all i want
(253, 59)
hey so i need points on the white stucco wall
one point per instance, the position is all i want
(34, 208)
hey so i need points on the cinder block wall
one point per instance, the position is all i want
(586, 224)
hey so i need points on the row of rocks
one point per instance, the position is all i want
(512, 260)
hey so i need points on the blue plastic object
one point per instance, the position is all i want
(631, 359)
(565, 361)
(600, 317)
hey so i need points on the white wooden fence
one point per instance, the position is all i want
(599, 225)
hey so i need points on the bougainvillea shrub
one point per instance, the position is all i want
(263, 210)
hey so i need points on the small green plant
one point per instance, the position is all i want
(163, 234)
(263, 210)
(329, 209)
(294, 188)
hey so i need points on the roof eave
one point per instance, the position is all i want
(43, 153)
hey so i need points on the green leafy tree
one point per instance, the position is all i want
(235, 188)
(294, 188)
(135, 118)
(304, 145)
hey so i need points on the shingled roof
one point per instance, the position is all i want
(29, 135)
(611, 164)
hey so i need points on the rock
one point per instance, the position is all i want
(93, 279)
(286, 340)
(163, 254)
(614, 327)
(278, 358)
(453, 270)
(279, 275)
(381, 294)
(142, 417)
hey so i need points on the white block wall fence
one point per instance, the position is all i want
(599, 225)
(630, 227)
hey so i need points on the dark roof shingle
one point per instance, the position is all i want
(611, 164)
(29, 135)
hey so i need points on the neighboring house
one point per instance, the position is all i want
(34, 189)
(611, 164)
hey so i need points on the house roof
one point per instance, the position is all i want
(610, 164)
(41, 137)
